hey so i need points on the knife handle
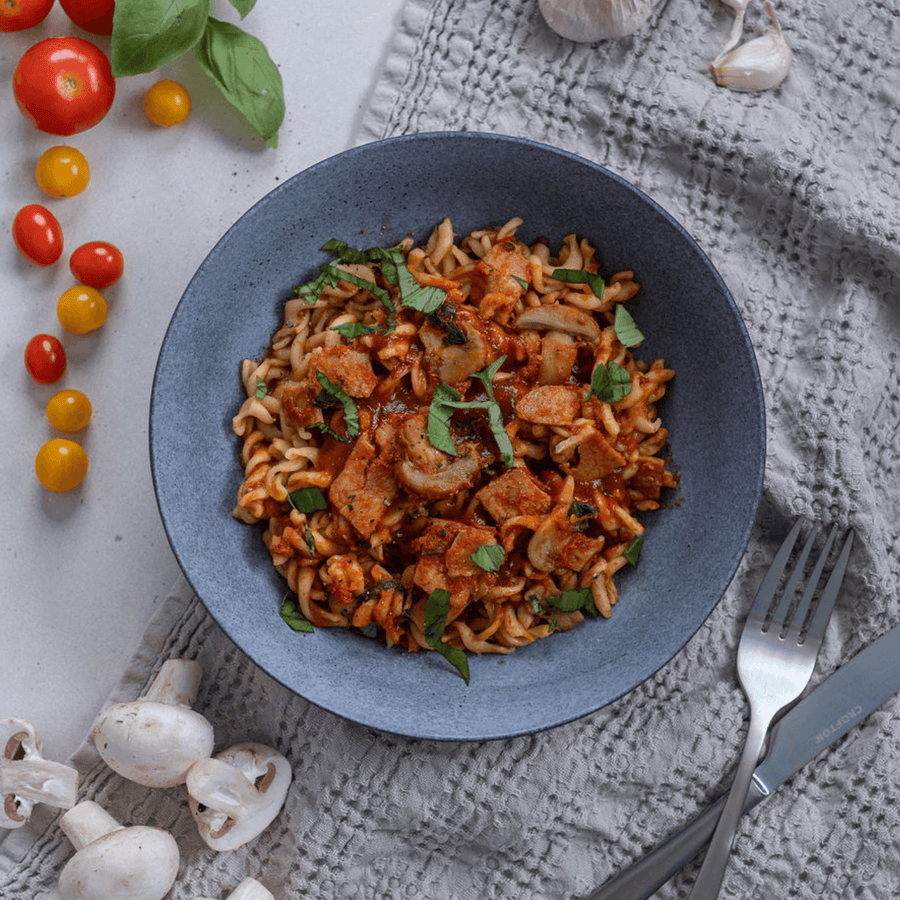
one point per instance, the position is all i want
(652, 871)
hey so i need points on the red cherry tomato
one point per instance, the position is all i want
(64, 85)
(97, 264)
(37, 234)
(45, 358)
(17, 15)
(95, 16)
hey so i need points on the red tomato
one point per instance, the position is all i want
(95, 16)
(97, 264)
(17, 15)
(38, 235)
(64, 85)
(45, 358)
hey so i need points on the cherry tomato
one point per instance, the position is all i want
(97, 264)
(64, 85)
(81, 309)
(45, 358)
(61, 465)
(62, 171)
(69, 410)
(167, 103)
(38, 235)
(95, 16)
(17, 15)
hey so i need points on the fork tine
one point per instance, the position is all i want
(767, 589)
(816, 630)
(795, 625)
(780, 619)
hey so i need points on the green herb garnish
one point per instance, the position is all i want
(579, 276)
(291, 614)
(351, 414)
(261, 388)
(310, 540)
(352, 330)
(521, 281)
(437, 606)
(626, 331)
(633, 553)
(489, 557)
(610, 383)
(308, 500)
(345, 253)
(395, 271)
(574, 600)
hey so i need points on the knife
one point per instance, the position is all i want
(827, 713)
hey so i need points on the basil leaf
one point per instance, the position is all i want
(308, 499)
(536, 604)
(345, 253)
(242, 68)
(261, 388)
(351, 414)
(436, 608)
(626, 331)
(354, 329)
(489, 557)
(148, 34)
(633, 553)
(310, 291)
(574, 600)
(291, 614)
(310, 540)
(579, 276)
(439, 413)
(610, 384)
(486, 375)
(412, 294)
(495, 414)
(243, 6)
(522, 282)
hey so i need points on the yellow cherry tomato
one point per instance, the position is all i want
(81, 309)
(62, 171)
(167, 103)
(69, 410)
(61, 465)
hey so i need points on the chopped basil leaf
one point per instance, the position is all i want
(581, 510)
(310, 540)
(495, 416)
(439, 413)
(412, 294)
(436, 608)
(536, 604)
(633, 553)
(579, 276)
(291, 614)
(522, 282)
(489, 557)
(610, 383)
(626, 331)
(351, 414)
(574, 600)
(369, 631)
(308, 499)
(261, 388)
(352, 330)
(345, 253)
(444, 317)
(310, 291)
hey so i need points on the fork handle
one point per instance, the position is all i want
(712, 872)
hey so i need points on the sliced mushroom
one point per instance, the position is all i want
(558, 354)
(248, 889)
(155, 740)
(236, 795)
(559, 317)
(453, 363)
(27, 778)
(111, 861)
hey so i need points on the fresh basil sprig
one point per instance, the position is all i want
(148, 34)
(351, 413)
(291, 614)
(610, 383)
(437, 606)
(579, 276)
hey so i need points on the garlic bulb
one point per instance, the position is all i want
(759, 64)
(594, 20)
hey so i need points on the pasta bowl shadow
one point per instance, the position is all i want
(378, 194)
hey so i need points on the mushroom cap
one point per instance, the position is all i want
(561, 317)
(152, 743)
(137, 863)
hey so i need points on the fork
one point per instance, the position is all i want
(776, 657)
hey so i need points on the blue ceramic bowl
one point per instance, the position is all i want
(376, 195)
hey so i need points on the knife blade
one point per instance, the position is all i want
(827, 713)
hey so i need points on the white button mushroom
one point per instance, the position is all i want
(234, 796)
(155, 740)
(27, 778)
(112, 862)
(248, 889)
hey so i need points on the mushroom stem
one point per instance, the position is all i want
(223, 787)
(87, 822)
(177, 682)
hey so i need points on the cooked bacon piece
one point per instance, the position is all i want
(296, 400)
(515, 493)
(500, 266)
(557, 543)
(596, 458)
(550, 404)
(365, 488)
(350, 369)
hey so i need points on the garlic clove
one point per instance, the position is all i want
(595, 20)
(757, 65)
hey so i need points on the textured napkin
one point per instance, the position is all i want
(794, 196)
